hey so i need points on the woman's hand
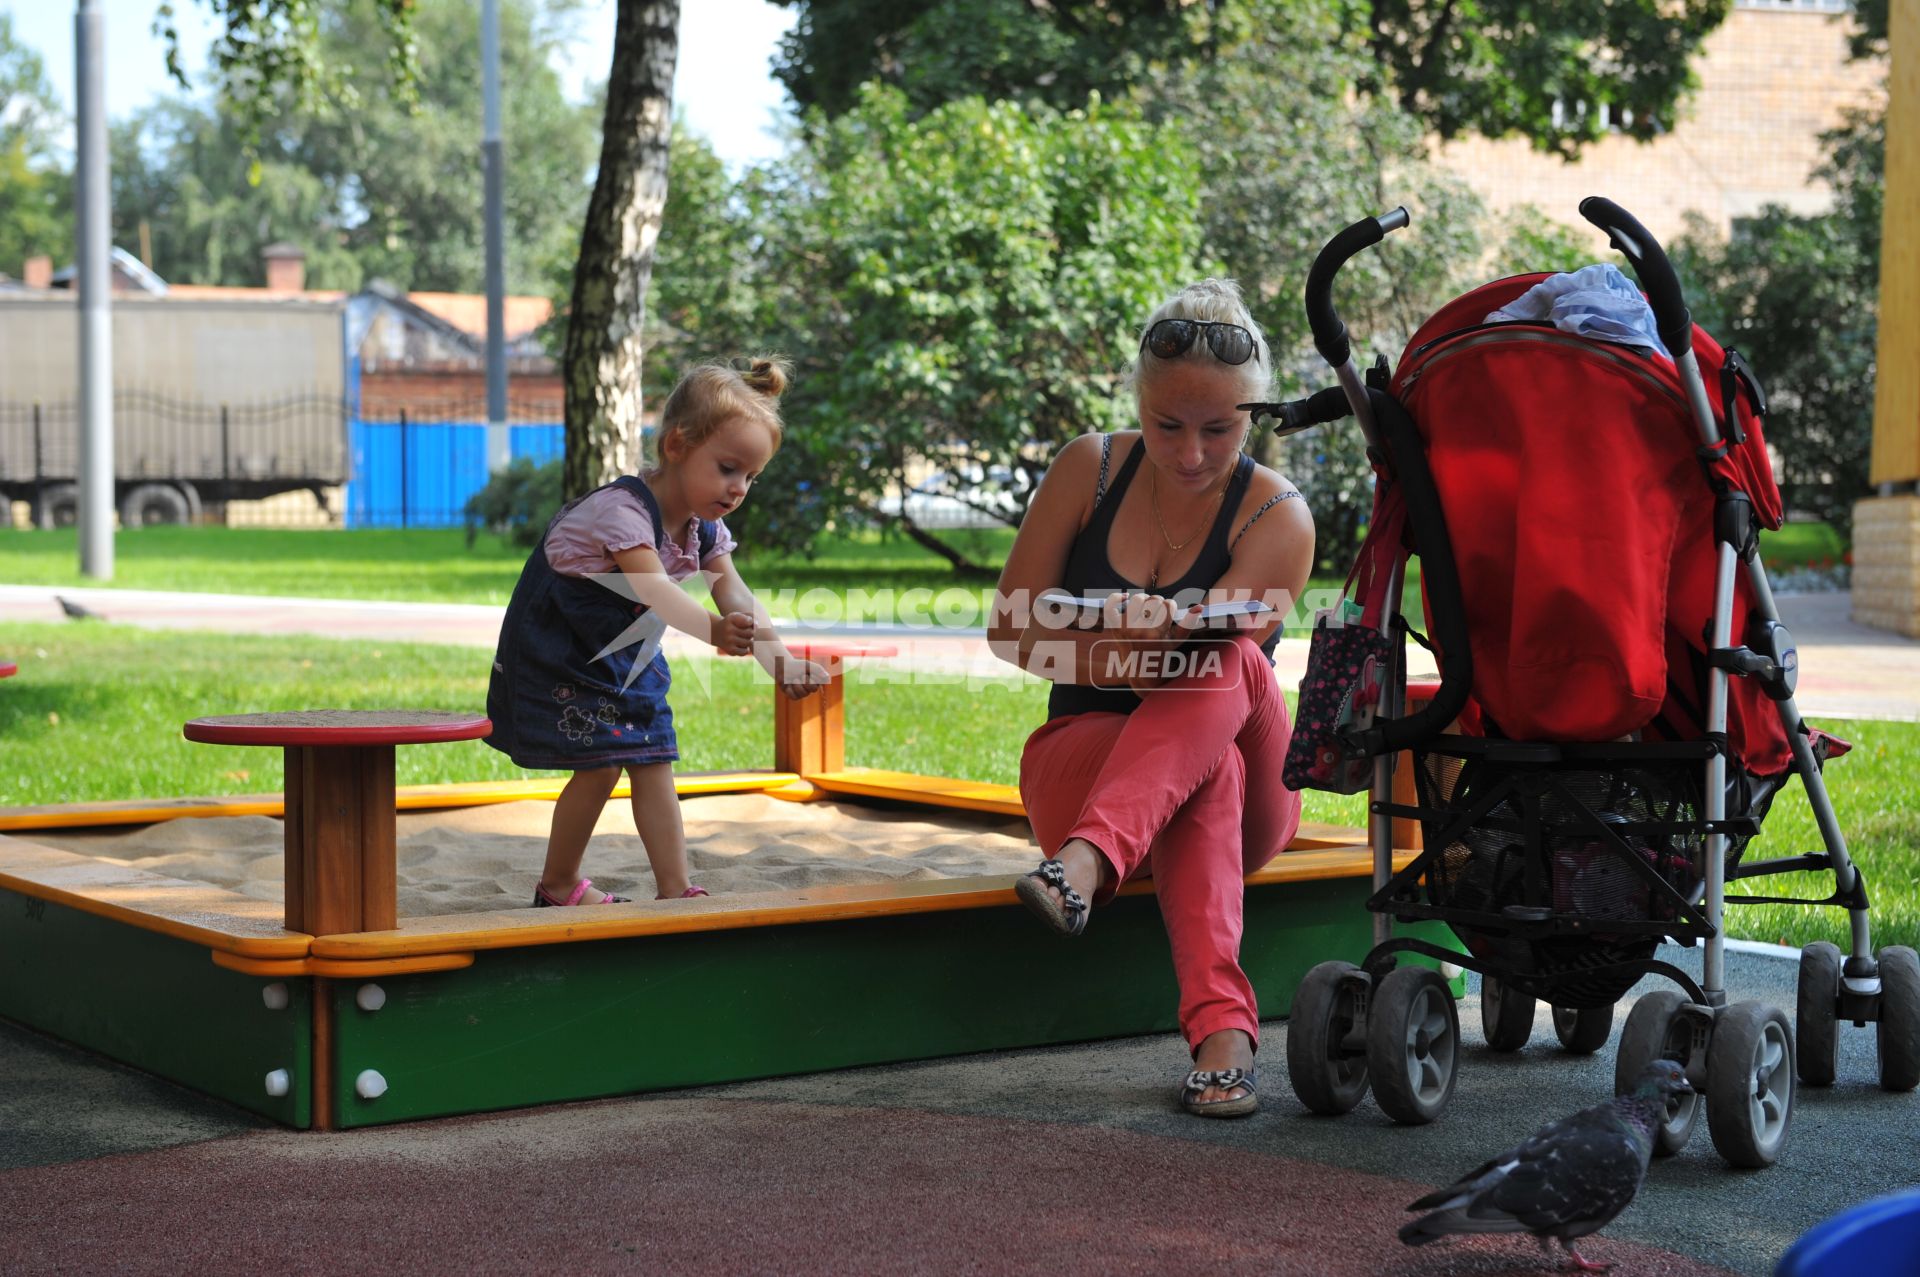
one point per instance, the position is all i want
(1141, 628)
(732, 634)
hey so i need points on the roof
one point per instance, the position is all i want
(468, 312)
(136, 271)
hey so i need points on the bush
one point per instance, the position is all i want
(516, 503)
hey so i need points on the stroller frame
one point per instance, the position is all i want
(1396, 1027)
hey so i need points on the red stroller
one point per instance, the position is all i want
(1600, 749)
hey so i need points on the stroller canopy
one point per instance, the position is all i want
(1582, 524)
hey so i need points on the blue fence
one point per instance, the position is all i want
(419, 474)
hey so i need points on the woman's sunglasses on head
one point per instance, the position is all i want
(1171, 338)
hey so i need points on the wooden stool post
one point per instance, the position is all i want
(809, 735)
(340, 835)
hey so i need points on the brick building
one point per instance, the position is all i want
(1771, 80)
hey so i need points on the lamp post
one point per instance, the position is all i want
(499, 444)
(94, 280)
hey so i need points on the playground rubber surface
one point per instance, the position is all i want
(1064, 1160)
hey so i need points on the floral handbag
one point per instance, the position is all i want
(1348, 662)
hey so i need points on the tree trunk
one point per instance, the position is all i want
(602, 360)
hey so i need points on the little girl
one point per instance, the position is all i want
(565, 692)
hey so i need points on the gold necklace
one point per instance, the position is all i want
(1153, 577)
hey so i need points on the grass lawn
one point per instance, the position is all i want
(847, 579)
(858, 576)
(95, 713)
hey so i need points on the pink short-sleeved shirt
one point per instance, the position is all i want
(584, 540)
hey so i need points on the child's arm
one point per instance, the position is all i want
(796, 677)
(731, 633)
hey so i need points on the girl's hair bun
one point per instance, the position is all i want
(766, 374)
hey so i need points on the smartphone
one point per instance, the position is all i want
(1095, 604)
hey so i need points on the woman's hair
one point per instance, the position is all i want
(711, 394)
(1217, 300)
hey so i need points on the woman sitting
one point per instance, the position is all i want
(1152, 763)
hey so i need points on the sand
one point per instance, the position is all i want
(475, 859)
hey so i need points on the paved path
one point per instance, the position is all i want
(1846, 670)
(1068, 1160)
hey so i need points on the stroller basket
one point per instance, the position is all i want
(1562, 872)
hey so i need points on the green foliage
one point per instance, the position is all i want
(35, 192)
(959, 290)
(516, 503)
(1487, 66)
(1798, 296)
(383, 183)
(940, 50)
(1527, 240)
(271, 57)
(1496, 67)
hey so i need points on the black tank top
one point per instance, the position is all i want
(1089, 571)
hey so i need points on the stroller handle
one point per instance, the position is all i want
(1650, 264)
(1329, 334)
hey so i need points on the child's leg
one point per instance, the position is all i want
(656, 814)
(575, 813)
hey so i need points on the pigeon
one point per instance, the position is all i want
(1568, 1179)
(77, 611)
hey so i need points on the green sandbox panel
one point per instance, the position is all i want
(567, 1022)
(156, 1003)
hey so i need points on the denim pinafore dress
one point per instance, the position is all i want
(553, 705)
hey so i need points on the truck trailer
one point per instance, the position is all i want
(215, 400)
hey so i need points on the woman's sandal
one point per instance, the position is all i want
(695, 890)
(542, 900)
(1201, 1080)
(1066, 913)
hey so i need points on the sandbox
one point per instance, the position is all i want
(860, 917)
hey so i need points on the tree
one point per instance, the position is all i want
(274, 48)
(960, 292)
(602, 364)
(180, 172)
(389, 187)
(1487, 66)
(1799, 296)
(1497, 67)
(35, 208)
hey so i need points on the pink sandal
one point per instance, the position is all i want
(542, 900)
(688, 894)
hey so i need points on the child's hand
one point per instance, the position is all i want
(732, 634)
(800, 679)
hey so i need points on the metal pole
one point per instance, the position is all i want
(499, 441)
(95, 281)
(403, 468)
(40, 517)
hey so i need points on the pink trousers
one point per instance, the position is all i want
(1187, 789)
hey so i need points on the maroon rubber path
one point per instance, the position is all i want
(718, 1185)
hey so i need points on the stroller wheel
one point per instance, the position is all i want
(1413, 1039)
(1899, 1029)
(1584, 1030)
(1750, 1083)
(1506, 1015)
(1816, 1028)
(1326, 1038)
(1656, 1029)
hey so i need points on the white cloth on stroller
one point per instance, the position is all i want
(1595, 301)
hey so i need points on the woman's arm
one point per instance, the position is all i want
(1024, 634)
